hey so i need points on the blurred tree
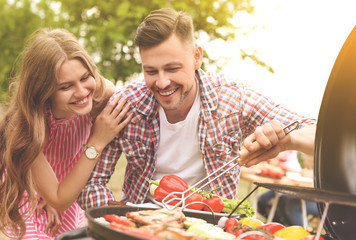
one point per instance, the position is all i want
(18, 20)
(106, 28)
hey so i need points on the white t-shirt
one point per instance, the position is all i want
(178, 151)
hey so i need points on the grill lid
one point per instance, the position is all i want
(335, 142)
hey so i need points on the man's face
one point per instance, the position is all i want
(169, 71)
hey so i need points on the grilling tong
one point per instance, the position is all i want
(182, 196)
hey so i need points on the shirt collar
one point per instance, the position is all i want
(148, 105)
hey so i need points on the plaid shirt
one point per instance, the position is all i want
(229, 113)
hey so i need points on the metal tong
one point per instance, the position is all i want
(238, 160)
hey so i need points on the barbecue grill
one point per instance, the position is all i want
(334, 160)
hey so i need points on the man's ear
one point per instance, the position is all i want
(198, 56)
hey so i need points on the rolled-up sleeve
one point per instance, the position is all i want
(96, 192)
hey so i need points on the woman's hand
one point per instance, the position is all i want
(110, 122)
(53, 218)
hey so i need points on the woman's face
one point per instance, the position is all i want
(74, 90)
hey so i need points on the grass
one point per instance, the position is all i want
(117, 179)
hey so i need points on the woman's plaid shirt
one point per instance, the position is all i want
(229, 112)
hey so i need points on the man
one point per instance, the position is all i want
(186, 121)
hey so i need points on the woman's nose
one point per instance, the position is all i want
(81, 90)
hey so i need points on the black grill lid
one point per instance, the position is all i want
(335, 142)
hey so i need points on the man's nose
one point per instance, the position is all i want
(162, 81)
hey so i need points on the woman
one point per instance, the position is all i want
(56, 125)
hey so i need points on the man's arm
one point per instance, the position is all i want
(270, 139)
(96, 192)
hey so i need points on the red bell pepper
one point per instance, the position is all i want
(173, 183)
(161, 193)
(271, 227)
(168, 184)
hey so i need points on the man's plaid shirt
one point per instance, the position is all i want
(229, 113)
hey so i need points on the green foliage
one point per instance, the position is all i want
(19, 20)
(106, 28)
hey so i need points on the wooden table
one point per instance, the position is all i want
(251, 178)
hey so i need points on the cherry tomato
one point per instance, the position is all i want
(196, 197)
(232, 226)
(230, 223)
(271, 227)
(215, 203)
(312, 237)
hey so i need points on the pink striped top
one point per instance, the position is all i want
(63, 149)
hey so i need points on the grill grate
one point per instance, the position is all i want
(312, 194)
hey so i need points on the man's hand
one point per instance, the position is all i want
(54, 222)
(265, 143)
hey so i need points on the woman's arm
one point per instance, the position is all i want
(62, 195)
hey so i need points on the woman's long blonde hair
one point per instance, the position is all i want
(23, 127)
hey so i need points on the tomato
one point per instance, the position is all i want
(120, 220)
(232, 226)
(237, 231)
(231, 222)
(312, 237)
(215, 203)
(196, 197)
(271, 227)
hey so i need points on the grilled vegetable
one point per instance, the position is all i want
(173, 183)
(160, 193)
(232, 226)
(244, 210)
(168, 184)
(271, 227)
(292, 233)
(251, 222)
(210, 231)
(189, 221)
(215, 202)
(134, 231)
(120, 220)
(196, 197)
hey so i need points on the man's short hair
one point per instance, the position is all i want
(160, 24)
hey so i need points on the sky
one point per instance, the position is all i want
(299, 39)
